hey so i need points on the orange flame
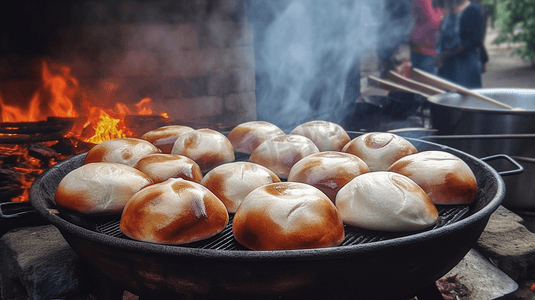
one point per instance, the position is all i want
(56, 96)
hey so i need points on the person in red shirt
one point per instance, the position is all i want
(424, 35)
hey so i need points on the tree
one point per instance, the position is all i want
(516, 20)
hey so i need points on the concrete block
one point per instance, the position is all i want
(36, 263)
(509, 244)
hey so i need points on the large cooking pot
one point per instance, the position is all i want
(368, 265)
(483, 129)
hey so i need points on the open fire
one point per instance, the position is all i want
(57, 122)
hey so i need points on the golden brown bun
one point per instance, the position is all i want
(379, 149)
(326, 135)
(280, 153)
(233, 181)
(286, 216)
(247, 136)
(385, 201)
(161, 167)
(328, 171)
(126, 151)
(207, 147)
(99, 188)
(164, 137)
(175, 211)
(445, 178)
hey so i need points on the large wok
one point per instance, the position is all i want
(482, 129)
(368, 265)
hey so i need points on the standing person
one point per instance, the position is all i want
(461, 33)
(424, 35)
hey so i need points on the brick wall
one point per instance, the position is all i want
(194, 60)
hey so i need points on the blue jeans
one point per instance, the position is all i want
(424, 62)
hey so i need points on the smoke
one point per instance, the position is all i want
(307, 56)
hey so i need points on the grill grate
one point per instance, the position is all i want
(353, 236)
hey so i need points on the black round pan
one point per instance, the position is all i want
(368, 265)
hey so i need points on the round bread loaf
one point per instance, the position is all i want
(328, 171)
(100, 188)
(233, 181)
(164, 137)
(379, 149)
(247, 136)
(445, 178)
(327, 136)
(126, 151)
(174, 212)
(207, 147)
(280, 153)
(385, 201)
(286, 216)
(160, 167)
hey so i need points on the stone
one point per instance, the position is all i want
(37, 263)
(509, 244)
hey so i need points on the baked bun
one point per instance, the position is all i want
(164, 137)
(328, 171)
(385, 201)
(126, 151)
(326, 135)
(233, 181)
(280, 153)
(160, 167)
(379, 149)
(207, 147)
(286, 216)
(173, 212)
(445, 178)
(247, 136)
(100, 188)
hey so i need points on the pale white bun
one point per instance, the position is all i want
(286, 216)
(328, 171)
(207, 147)
(445, 178)
(326, 135)
(125, 151)
(164, 137)
(247, 136)
(280, 153)
(233, 181)
(160, 167)
(379, 149)
(385, 201)
(100, 188)
(174, 212)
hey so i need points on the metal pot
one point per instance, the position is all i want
(368, 265)
(483, 129)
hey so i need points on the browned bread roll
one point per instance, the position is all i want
(328, 171)
(286, 216)
(445, 178)
(164, 137)
(99, 188)
(207, 147)
(247, 136)
(233, 181)
(379, 149)
(160, 167)
(385, 201)
(175, 211)
(280, 153)
(326, 135)
(125, 151)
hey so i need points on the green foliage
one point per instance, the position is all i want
(516, 20)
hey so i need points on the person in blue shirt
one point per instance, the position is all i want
(461, 32)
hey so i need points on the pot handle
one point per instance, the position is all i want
(519, 170)
(18, 214)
